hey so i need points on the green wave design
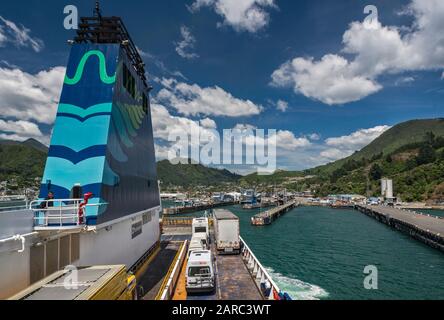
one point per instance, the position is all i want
(83, 113)
(103, 73)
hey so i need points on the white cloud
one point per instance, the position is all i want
(242, 15)
(404, 81)
(328, 80)
(193, 100)
(282, 106)
(165, 124)
(287, 140)
(244, 127)
(208, 123)
(314, 136)
(357, 139)
(161, 152)
(333, 154)
(160, 65)
(3, 37)
(21, 131)
(186, 44)
(30, 97)
(344, 146)
(19, 35)
(374, 51)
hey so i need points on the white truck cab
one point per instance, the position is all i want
(201, 225)
(200, 276)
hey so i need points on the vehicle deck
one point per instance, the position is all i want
(153, 277)
(233, 281)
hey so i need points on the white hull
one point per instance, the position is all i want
(112, 244)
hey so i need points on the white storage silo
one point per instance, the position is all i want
(389, 191)
(383, 187)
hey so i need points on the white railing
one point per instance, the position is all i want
(268, 287)
(167, 288)
(63, 213)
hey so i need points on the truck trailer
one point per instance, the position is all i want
(227, 233)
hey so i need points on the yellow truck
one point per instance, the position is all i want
(87, 283)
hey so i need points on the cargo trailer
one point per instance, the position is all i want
(227, 232)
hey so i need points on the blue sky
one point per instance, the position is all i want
(313, 70)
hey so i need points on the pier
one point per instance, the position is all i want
(424, 228)
(191, 209)
(268, 217)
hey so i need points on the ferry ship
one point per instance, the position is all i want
(99, 204)
(102, 147)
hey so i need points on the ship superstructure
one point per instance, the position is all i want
(99, 200)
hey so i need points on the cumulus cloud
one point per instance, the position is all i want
(329, 80)
(208, 123)
(193, 100)
(242, 15)
(25, 129)
(282, 105)
(166, 125)
(19, 35)
(21, 131)
(30, 96)
(314, 136)
(344, 146)
(158, 63)
(186, 44)
(287, 140)
(161, 151)
(374, 51)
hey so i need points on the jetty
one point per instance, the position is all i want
(268, 217)
(425, 228)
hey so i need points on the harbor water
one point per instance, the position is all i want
(321, 253)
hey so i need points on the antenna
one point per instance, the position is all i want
(97, 11)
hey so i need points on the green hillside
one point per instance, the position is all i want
(417, 170)
(22, 162)
(192, 175)
(405, 133)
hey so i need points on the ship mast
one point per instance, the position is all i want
(110, 30)
(97, 12)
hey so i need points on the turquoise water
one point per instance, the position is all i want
(439, 213)
(320, 253)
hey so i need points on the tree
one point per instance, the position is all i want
(375, 172)
(426, 155)
(389, 159)
(337, 174)
(430, 138)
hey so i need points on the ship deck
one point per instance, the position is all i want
(233, 281)
(152, 278)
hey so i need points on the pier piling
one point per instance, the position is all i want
(268, 217)
(426, 229)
